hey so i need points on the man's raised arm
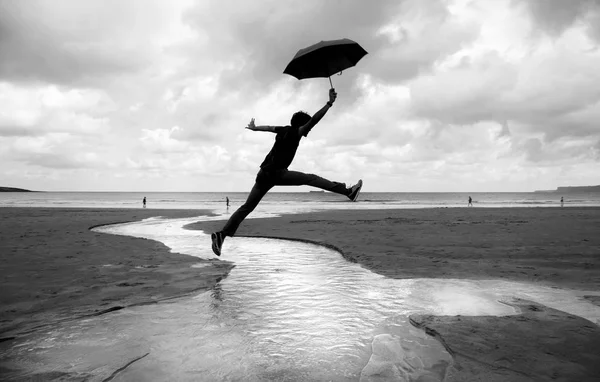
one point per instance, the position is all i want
(319, 114)
(272, 129)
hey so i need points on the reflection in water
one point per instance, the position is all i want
(287, 311)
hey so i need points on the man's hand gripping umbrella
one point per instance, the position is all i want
(274, 169)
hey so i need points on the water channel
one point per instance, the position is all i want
(288, 311)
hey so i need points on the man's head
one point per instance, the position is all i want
(300, 119)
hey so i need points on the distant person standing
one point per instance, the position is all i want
(470, 202)
(562, 201)
(144, 202)
(227, 201)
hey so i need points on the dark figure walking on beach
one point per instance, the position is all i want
(144, 202)
(470, 202)
(562, 201)
(227, 201)
(274, 169)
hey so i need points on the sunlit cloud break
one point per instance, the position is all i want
(154, 96)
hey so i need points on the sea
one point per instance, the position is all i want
(296, 201)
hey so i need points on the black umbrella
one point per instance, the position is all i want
(324, 59)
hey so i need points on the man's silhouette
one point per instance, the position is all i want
(274, 169)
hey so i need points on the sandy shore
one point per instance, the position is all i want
(53, 267)
(552, 246)
(540, 344)
(558, 247)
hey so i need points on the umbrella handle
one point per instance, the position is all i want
(330, 82)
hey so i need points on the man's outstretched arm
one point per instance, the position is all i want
(319, 114)
(272, 129)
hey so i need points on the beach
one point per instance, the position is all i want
(552, 246)
(54, 268)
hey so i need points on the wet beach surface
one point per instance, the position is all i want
(287, 311)
(53, 267)
(556, 247)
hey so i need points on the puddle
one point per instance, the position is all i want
(288, 311)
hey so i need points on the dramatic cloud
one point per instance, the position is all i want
(40, 110)
(556, 16)
(74, 42)
(152, 95)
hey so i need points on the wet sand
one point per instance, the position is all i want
(540, 344)
(548, 246)
(52, 267)
(551, 246)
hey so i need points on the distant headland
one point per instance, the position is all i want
(572, 189)
(12, 189)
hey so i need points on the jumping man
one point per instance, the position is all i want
(274, 169)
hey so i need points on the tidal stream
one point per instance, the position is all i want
(288, 311)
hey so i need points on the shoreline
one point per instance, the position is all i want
(54, 268)
(552, 247)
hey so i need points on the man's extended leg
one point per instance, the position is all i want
(297, 178)
(256, 194)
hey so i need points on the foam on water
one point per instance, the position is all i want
(287, 311)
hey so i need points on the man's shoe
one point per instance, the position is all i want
(217, 242)
(355, 190)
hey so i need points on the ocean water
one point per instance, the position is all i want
(292, 201)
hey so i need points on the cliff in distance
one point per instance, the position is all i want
(573, 189)
(12, 189)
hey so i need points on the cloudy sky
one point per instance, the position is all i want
(139, 95)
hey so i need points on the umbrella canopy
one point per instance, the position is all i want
(325, 59)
